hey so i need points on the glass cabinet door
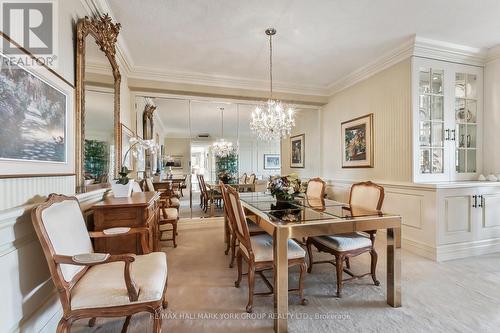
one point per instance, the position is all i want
(466, 102)
(431, 120)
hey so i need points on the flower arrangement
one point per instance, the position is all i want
(285, 187)
(225, 176)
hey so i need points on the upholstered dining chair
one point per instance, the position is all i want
(365, 196)
(243, 179)
(169, 217)
(257, 251)
(316, 188)
(210, 197)
(251, 179)
(90, 284)
(166, 194)
(253, 228)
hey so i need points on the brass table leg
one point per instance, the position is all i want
(394, 267)
(280, 280)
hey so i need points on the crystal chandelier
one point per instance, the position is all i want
(273, 120)
(221, 147)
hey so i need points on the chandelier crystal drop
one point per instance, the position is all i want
(221, 147)
(273, 120)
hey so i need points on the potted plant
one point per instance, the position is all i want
(122, 187)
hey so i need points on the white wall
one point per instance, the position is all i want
(388, 96)
(179, 147)
(251, 157)
(307, 123)
(491, 117)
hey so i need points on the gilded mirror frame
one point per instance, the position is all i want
(105, 34)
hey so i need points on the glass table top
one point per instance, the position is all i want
(303, 209)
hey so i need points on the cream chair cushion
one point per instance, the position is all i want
(63, 219)
(365, 196)
(175, 202)
(149, 184)
(172, 213)
(103, 285)
(136, 187)
(262, 247)
(314, 189)
(344, 242)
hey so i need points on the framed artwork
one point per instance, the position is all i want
(272, 161)
(126, 135)
(297, 151)
(177, 161)
(357, 142)
(36, 113)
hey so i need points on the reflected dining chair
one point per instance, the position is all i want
(367, 196)
(253, 228)
(251, 179)
(169, 217)
(90, 284)
(210, 196)
(257, 251)
(243, 179)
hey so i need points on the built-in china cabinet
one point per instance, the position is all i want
(447, 120)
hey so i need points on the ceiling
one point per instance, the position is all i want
(206, 118)
(318, 42)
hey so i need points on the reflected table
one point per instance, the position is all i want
(306, 217)
(215, 188)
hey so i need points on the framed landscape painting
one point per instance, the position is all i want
(272, 161)
(357, 142)
(36, 119)
(297, 151)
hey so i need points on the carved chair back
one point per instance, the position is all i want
(227, 206)
(61, 229)
(316, 188)
(243, 178)
(367, 195)
(251, 179)
(149, 184)
(239, 219)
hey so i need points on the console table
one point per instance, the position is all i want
(139, 210)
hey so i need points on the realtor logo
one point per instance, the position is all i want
(32, 26)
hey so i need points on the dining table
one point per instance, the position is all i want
(307, 217)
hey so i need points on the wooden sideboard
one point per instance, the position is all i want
(139, 210)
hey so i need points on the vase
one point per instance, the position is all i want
(122, 191)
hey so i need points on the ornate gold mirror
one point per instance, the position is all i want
(97, 149)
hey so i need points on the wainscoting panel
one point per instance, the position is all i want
(20, 191)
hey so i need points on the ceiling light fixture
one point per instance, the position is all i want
(273, 120)
(221, 147)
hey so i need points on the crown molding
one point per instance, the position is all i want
(439, 50)
(144, 73)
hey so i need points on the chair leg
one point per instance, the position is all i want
(309, 253)
(339, 263)
(303, 268)
(174, 233)
(374, 257)
(92, 321)
(157, 321)
(239, 263)
(63, 326)
(233, 250)
(347, 263)
(228, 238)
(125, 324)
(251, 285)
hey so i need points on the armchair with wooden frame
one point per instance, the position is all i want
(367, 197)
(232, 240)
(92, 285)
(257, 251)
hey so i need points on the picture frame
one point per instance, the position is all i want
(357, 142)
(41, 135)
(177, 161)
(272, 161)
(297, 151)
(126, 134)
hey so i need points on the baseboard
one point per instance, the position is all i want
(468, 249)
(420, 249)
